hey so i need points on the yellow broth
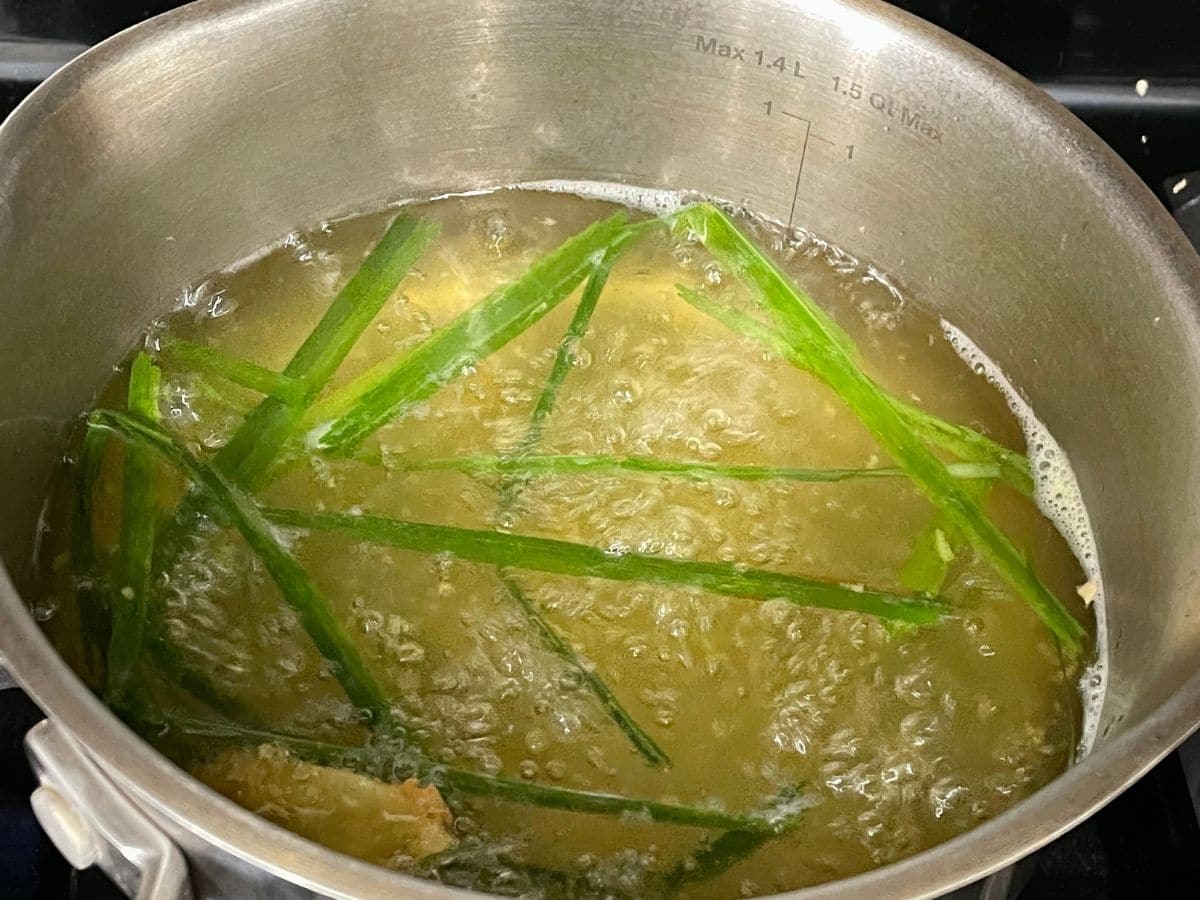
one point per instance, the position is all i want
(896, 738)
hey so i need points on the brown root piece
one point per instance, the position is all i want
(390, 824)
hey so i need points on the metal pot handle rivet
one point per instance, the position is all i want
(66, 827)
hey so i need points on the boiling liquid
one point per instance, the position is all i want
(897, 739)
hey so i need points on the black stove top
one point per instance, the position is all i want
(1131, 70)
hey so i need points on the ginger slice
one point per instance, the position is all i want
(391, 824)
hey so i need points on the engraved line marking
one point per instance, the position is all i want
(799, 172)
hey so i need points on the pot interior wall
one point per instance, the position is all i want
(157, 161)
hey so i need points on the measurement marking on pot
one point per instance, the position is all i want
(886, 104)
(799, 172)
(910, 116)
(768, 60)
(770, 107)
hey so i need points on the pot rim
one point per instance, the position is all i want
(160, 785)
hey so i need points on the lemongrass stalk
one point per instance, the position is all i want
(732, 847)
(299, 591)
(553, 641)
(249, 455)
(963, 442)
(509, 488)
(210, 361)
(546, 797)
(252, 450)
(95, 610)
(461, 781)
(928, 565)
(133, 573)
(828, 354)
(385, 391)
(936, 547)
(511, 551)
(565, 465)
(252, 457)
(567, 347)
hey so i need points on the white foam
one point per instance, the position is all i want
(1060, 500)
(650, 200)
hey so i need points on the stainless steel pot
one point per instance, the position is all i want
(190, 140)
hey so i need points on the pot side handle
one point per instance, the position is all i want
(92, 823)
